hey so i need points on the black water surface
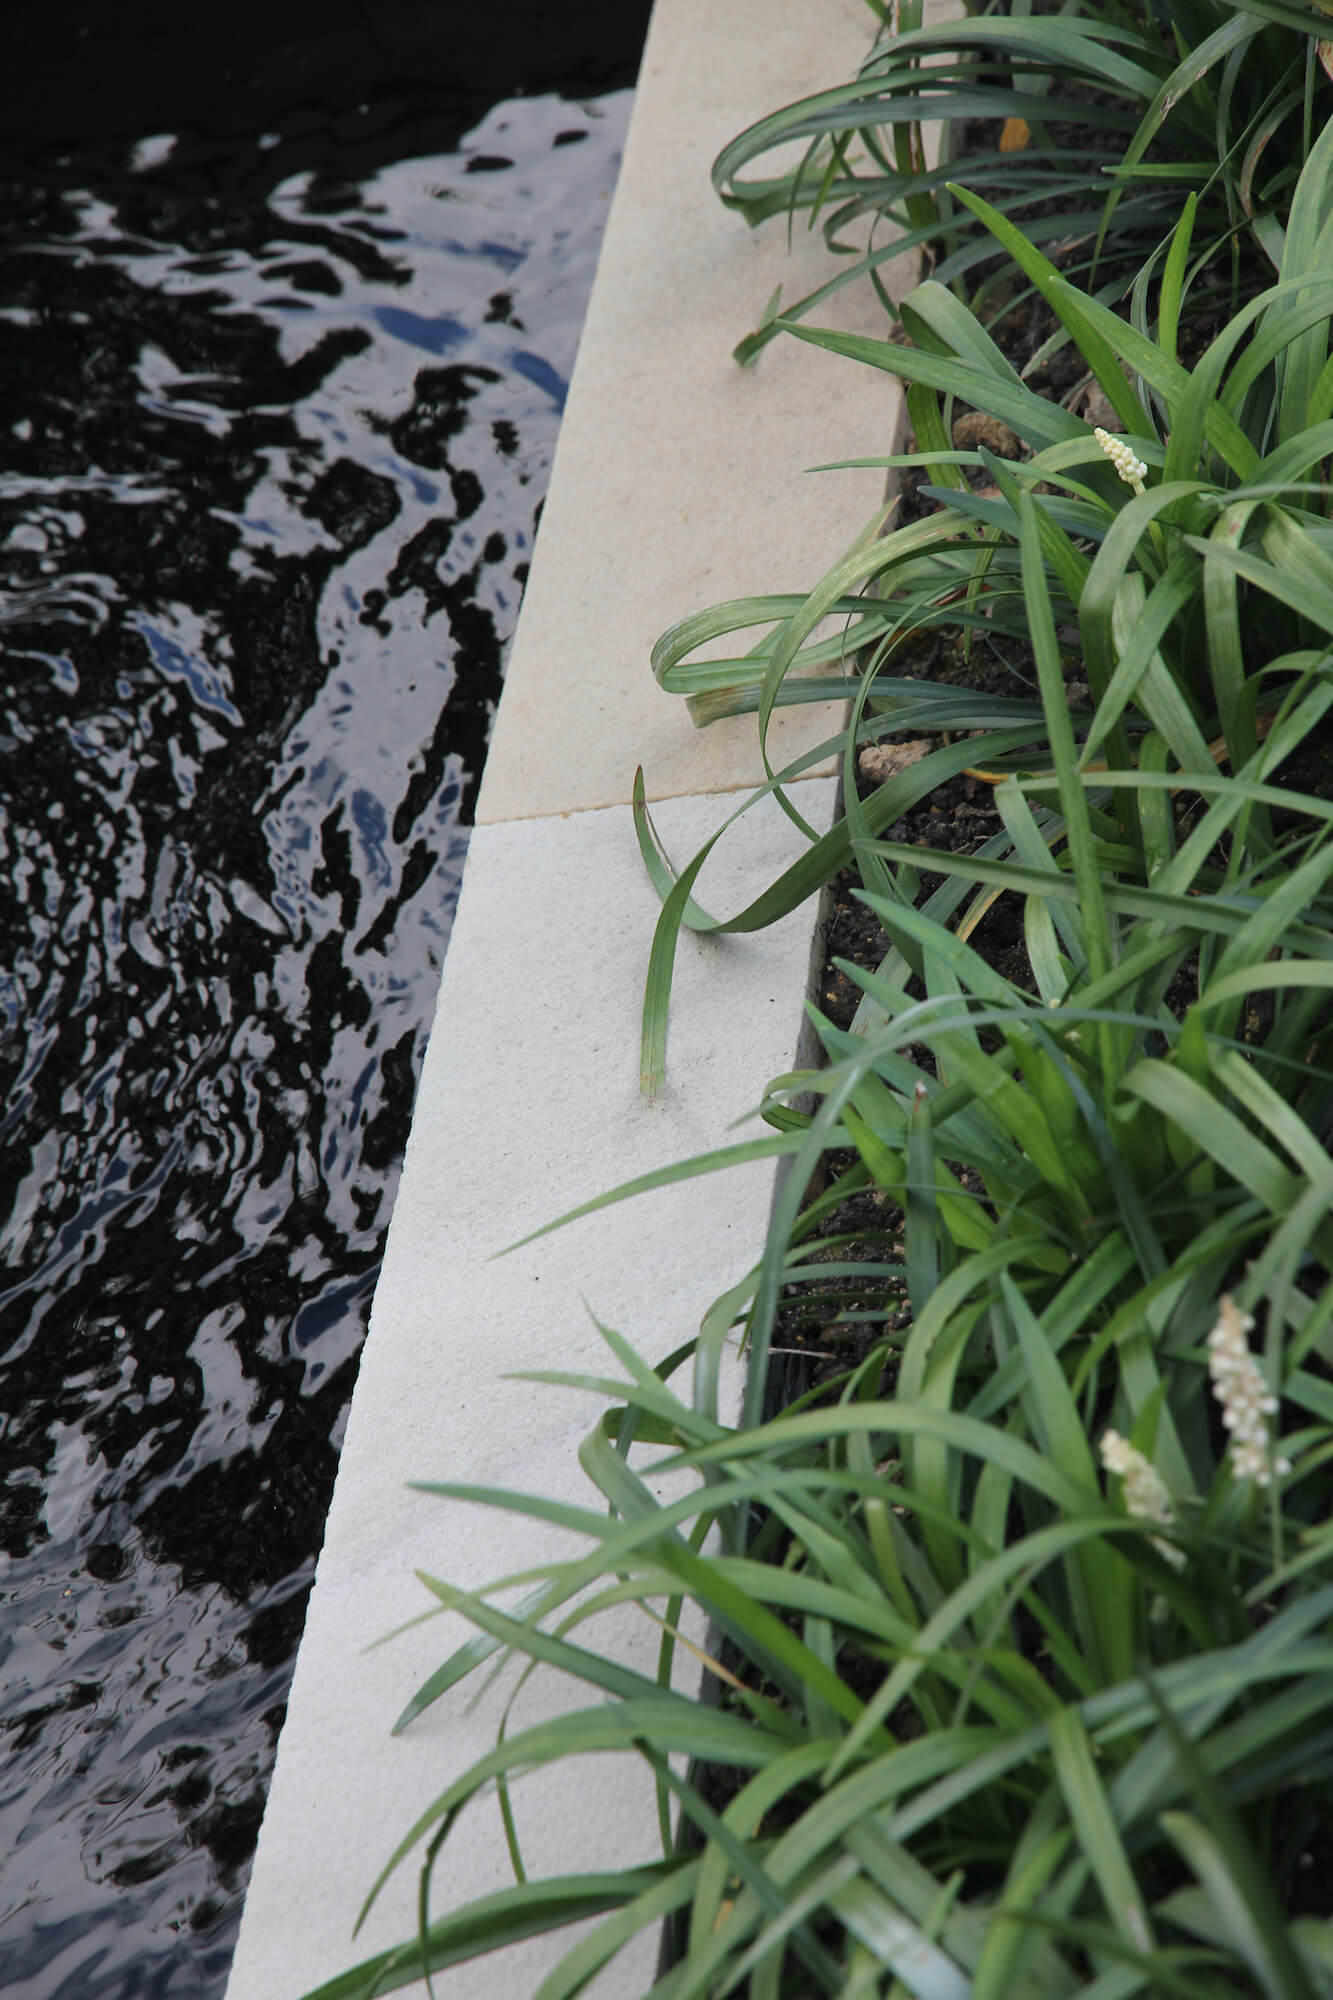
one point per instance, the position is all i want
(271, 448)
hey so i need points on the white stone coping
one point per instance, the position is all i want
(677, 481)
(681, 479)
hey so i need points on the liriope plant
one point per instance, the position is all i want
(1196, 586)
(1219, 100)
(994, 1722)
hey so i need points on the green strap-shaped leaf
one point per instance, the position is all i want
(1096, 1830)
(1187, 74)
(1307, 253)
(1036, 420)
(1218, 1133)
(530, 1909)
(1067, 303)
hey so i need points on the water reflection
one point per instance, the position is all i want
(268, 475)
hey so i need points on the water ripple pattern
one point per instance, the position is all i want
(268, 480)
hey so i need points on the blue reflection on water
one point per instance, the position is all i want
(539, 370)
(432, 336)
(268, 475)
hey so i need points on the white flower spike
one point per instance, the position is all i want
(1146, 1497)
(1247, 1401)
(1132, 470)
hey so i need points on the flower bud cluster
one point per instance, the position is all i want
(1131, 469)
(1146, 1497)
(1247, 1401)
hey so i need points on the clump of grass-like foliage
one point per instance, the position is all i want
(1216, 99)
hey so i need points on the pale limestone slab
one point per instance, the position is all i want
(529, 1104)
(680, 479)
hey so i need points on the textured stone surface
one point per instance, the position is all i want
(680, 479)
(529, 1104)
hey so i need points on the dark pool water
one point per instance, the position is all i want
(269, 469)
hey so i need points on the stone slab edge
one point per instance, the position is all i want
(529, 1102)
(680, 479)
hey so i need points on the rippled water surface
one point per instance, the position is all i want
(268, 476)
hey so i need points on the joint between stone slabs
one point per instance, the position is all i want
(820, 774)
